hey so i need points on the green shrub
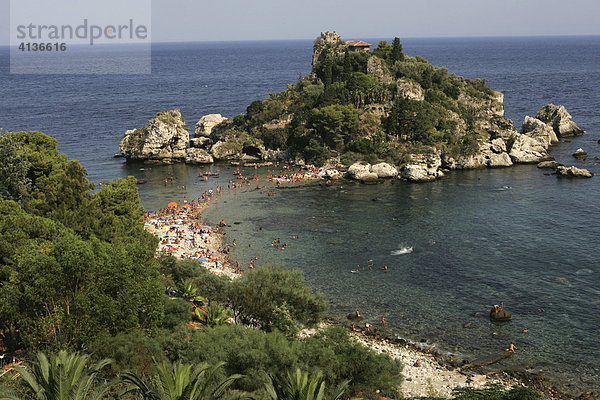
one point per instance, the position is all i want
(333, 352)
(177, 311)
(270, 291)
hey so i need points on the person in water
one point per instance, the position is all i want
(511, 348)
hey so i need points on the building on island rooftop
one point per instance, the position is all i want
(358, 45)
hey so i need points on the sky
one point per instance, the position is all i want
(194, 20)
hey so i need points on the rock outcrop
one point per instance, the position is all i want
(573, 172)
(329, 173)
(329, 43)
(165, 138)
(198, 156)
(560, 119)
(526, 150)
(495, 153)
(377, 68)
(499, 160)
(580, 153)
(423, 168)
(549, 165)
(420, 173)
(226, 151)
(361, 172)
(368, 173)
(384, 170)
(200, 142)
(410, 89)
(205, 125)
(536, 128)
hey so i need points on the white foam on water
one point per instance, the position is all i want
(402, 250)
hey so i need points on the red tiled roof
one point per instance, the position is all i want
(358, 43)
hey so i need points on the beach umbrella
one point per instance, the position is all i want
(206, 227)
(202, 259)
(187, 205)
(172, 204)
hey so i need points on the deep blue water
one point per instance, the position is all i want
(534, 246)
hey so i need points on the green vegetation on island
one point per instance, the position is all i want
(361, 105)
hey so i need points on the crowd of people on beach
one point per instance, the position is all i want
(183, 235)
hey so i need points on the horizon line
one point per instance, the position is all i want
(354, 37)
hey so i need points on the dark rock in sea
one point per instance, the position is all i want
(549, 165)
(573, 172)
(580, 153)
(237, 223)
(353, 317)
(499, 314)
(598, 141)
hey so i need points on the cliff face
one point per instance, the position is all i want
(326, 45)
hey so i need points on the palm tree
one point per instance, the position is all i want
(301, 386)
(214, 315)
(180, 382)
(66, 376)
(189, 291)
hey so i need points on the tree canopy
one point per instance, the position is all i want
(73, 264)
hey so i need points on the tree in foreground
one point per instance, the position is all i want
(276, 298)
(180, 382)
(302, 386)
(65, 376)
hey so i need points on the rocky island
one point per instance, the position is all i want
(378, 114)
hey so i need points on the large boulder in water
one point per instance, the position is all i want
(525, 149)
(573, 172)
(195, 155)
(420, 173)
(536, 128)
(384, 170)
(164, 138)
(226, 150)
(361, 172)
(500, 315)
(560, 119)
(499, 160)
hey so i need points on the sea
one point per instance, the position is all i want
(453, 248)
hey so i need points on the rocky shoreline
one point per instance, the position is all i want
(165, 140)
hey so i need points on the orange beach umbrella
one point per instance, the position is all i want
(172, 204)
